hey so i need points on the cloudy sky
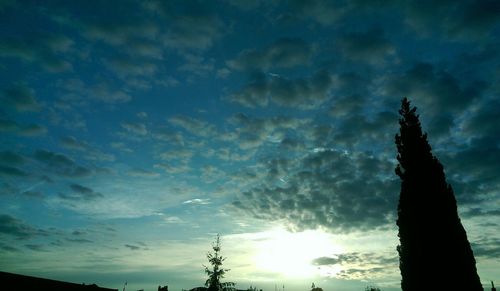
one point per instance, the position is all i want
(134, 131)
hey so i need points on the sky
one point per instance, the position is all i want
(132, 132)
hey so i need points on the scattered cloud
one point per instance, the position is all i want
(356, 265)
(137, 172)
(11, 158)
(80, 192)
(197, 201)
(12, 171)
(325, 189)
(29, 130)
(135, 128)
(284, 53)
(193, 126)
(21, 98)
(16, 228)
(60, 164)
(369, 46)
(302, 93)
(42, 49)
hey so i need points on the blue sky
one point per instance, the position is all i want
(134, 131)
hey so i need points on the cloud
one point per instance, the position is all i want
(464, 19)
(211, 174)
(35, 247)
(21, 98)
(80, 192)
(174, 166)
(29, 130)
(366, 265)
(143, 173)
(324, 12)
(369, 46)
(132, 247)
(90, 153)
(441, 94)
(167, 135)
(324, 189)
(197, 65)
(104, 93)
(11, 158)
(284, 53)
(181, 154)
(302, 93)
(193, 126)
(197, 201)
(193, 31)
(254, 132)
(12, 171)
(135, 128)
(42, 49)
(14, 227)
(8, 248)
(61, 164)
(70, 142)
(125, 66)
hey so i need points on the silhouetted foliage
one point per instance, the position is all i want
(216, 273)
(314, 288)
(371, 288)
(433, 241)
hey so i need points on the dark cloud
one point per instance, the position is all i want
(21, 129)
(189, 24)
(8, 248)
(369, 46)
(327, 189)
(42, 49)
(79, 240)
(35, 247)
(33, 194)
(356, 129)
(253, 132)
(193, 31)
(21, 98)
(16, 228)
(486, 248)
(284, 53)
(443, 95)
(302, 93)
(133, 247)
(90, 153)
(11, 158)
(61, 164)
(12, 171)
(462, 19)
(80, 192)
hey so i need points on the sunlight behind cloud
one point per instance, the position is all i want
(291, 254)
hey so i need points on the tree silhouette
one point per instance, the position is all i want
(433, 241)
(217, 272)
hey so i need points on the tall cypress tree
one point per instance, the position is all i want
(434, 253)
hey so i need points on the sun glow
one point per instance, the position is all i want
(291, 254)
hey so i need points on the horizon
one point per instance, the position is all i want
(132, 132)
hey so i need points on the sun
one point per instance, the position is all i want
(292, 254)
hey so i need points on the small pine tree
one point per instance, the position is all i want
(216, 273)
(433, 241)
